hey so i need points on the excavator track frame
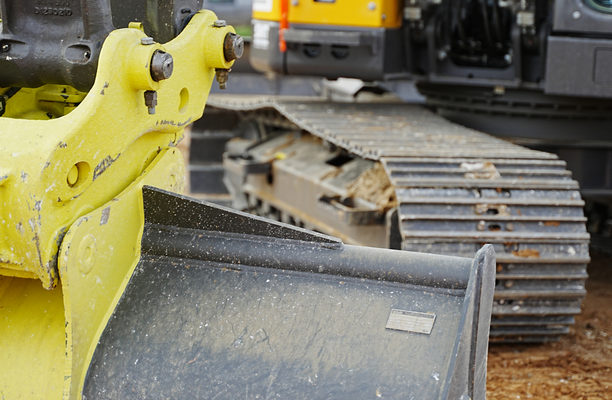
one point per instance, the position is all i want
(456, 189)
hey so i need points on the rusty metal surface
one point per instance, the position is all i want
(456, 189)
(373, 130)
(530, 210)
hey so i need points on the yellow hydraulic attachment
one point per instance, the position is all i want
(72, 166)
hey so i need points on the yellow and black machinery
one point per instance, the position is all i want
(112, 285)
(380, 172)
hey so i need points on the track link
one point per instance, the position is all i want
(457, 189)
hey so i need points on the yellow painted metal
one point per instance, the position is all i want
(103, 137)
(97, 258)
(360, 13)
(32, 342)
(136, 25)
(71, 170)
(46, 339)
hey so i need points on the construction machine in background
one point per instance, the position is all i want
(379, 172)
(113, 285)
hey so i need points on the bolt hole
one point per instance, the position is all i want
(495, 227)
(78, 174)
(184, 101)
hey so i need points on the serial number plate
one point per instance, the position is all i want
(61, 8)
(411, 321)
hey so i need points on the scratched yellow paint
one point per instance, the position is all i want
(110, 136)
(47, 337)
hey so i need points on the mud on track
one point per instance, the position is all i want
(579, 366)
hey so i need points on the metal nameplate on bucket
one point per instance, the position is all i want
(411, 321)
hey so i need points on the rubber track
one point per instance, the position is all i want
(458, 189)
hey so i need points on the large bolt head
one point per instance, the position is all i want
(162, 66)
(233, 47)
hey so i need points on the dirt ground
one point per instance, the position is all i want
(579, 366)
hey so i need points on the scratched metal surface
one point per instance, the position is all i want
(199, 320)
(458, 189)
(256, 333)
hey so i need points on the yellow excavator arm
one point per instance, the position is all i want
(62, 163)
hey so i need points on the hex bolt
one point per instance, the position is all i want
(147, 41)
(222, 77)
(150, 97)
(162, 65)
(220, 23)
(6, 47)
(233, 47)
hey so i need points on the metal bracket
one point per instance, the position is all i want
(352, 211)
(243, 166)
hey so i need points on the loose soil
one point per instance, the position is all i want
(374, 186)
(579, 366)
